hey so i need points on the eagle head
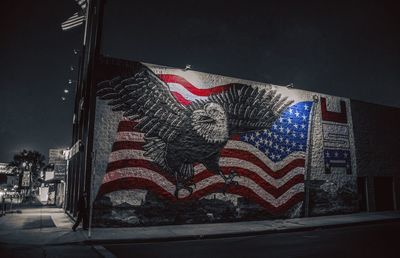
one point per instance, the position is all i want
(211, 123)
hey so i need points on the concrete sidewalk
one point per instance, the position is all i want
(51, 226)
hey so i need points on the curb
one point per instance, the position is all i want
(234, 234)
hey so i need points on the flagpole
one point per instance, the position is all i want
(92, 47)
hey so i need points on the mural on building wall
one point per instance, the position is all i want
(179, 146)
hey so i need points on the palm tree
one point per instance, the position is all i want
(28, 160)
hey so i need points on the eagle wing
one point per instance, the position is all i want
(249, 108)
(145, 97)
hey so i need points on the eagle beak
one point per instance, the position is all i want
(206, 119)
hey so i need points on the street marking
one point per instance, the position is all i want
(103, 251)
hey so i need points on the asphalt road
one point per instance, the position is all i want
(376, 240)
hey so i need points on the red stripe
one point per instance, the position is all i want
(250, 157)
(171, 78)
(275, 191)
(231, 153)
(126, 126)
(181, 99)
(127, 145)
(139, 183)
(134, 183)
(127, 163)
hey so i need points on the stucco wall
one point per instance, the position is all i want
(377, 137)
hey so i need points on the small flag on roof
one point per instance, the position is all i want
(78, 17)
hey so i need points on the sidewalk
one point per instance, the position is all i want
(51, 226)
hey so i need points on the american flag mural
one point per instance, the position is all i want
(270, 163)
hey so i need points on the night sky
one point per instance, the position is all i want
(344, 48)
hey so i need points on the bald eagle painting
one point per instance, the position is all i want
(178, 136)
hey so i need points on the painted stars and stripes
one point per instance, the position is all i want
(274, 182)
(76, 19)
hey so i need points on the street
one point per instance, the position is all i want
(375, 240)
(370, 240)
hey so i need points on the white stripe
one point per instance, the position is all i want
(70, 24)
(224, 162)
(169, 187)
(130, 136)
(239, 145)
(232, 144)
(74, 19)
(176, 87)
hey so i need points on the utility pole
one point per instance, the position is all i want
(91, 52)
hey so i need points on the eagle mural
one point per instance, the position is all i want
(177, 136)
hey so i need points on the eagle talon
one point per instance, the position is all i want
(229, 180)
(179, 187)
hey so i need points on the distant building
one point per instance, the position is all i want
(8, 179)
(53, 186)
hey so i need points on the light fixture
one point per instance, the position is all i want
(72, 68)
(63, 98)
(76, 51)
(66, 90)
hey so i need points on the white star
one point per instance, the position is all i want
(303, 126)
(305, 107)
(281, 119)
(302, 135)
(304, 117)
(281, 129)
(246, 138)
(257, 144)
(278, 156)
(287, 141)
(296, 126)
(290, 111)
(301, 146)
(265, 131)
(266, 151)
(297, 113)
(327, 154)
(287, 150)
(281, 139)
(251, 137)
(287, 130)
(293, 144)
(269, 134)
(257, 133)
(282, 149)
(270, 143)
(275, 136)
(294, 134)
(336, 154)
(275, 126)
(273, 156)
(276, 146)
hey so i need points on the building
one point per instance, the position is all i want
(52, 191)
(317, 155)
(8, 179)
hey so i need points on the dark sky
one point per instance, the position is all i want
(344, 48)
